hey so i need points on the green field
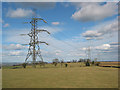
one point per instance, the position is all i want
(0, 78)
(50, 76)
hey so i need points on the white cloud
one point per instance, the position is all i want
(103, 47)
(59, 49)
(15, 53)
(58, 52)
(93, 12)
(99, 31)
(19, 12)
(6, 25)
(66, 49)
(84, 48)
(55, 23)
(91, 34)
(115, 43)
(14, 47)
(110, 27)
(14, 36)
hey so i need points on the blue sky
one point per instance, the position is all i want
(73, 27)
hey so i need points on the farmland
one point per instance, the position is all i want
(112, 64)
(76, 75)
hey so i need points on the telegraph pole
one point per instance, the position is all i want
(34, 47)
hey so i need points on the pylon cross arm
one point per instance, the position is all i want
(43, 42)
(40, 19)
(43, 31)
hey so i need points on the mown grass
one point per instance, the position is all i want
(60, 77)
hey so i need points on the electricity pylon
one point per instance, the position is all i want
(34, 47)
(88, 50)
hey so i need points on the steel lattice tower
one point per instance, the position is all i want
(34, 45)
(88, 50)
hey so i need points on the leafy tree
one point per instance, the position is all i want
(87, 63)
(55, 61)
(24, 65)
(80, 60)
(66, 65)
(74, 61)
(93, 62)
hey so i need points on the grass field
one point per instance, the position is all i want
(60, 77)
(0, 78)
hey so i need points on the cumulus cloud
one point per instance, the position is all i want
(101, 30)
(115, 43)
(19, 13)
(55, 23)
(6, 25)
(90, 33)
(95, 11)
(115, 46)
(103, 47)
(58, 52)
(59, 49)
(15, 53)
(14, 47)
(111, 27)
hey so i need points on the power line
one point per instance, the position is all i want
(68, 44)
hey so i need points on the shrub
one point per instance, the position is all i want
(66, 65)
(55, 63)
(24, 65)
(87, 63)
(97, 64)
